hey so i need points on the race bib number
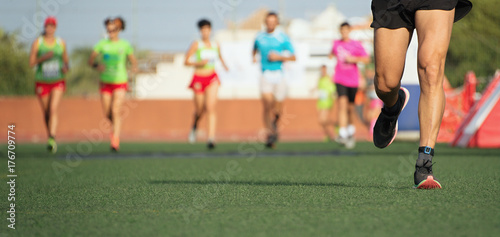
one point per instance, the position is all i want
(51, 69)
(323, 95)
(209, 55)
(274, 77)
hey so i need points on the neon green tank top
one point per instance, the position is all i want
(50, 70)
(326, 88)
(113, 54)
(205, 53)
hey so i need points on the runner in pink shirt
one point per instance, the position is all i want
(349, 53)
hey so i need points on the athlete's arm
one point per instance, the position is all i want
(353, 59)
(277, 57)
(98, 67)
(220, 58)
(332, 52)
(360, 56)
(190, 53)
(33, 59)
(133, 61)
(316, 88)
(254, 51)
(92, 58)
(254, 54)
(287, 45)
(65, 58)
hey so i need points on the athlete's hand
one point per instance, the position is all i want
(65, 69)
(47, 56)
(202, 63)
(312, 91)
(350, 59)
(274, 57)
(100, 68)
(134, 70)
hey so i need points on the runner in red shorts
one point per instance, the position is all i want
(48, 54)
(205, 83)
(112, 54)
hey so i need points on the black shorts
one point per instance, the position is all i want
(394, 14)
(350, 92)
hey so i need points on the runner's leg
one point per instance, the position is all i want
(44, 103)
(55, 98)
(390, 55)
(118, 97)
(434, 31)
(210, 108)
(268, 107)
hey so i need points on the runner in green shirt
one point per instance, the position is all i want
(326, 96)
(113, 53)
(48, 54)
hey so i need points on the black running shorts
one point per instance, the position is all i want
(394, 14)
(350, 92)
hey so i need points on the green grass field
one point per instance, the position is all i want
(298, 189)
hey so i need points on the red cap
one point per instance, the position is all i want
(50, 21)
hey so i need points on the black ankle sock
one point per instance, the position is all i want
(393, 110)
(426, 150)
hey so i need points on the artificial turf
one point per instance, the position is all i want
(240, 189)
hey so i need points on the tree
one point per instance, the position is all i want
(475, 43)
(16, 76)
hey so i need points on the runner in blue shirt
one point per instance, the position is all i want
(274, 48)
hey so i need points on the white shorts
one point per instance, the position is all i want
(273, 82)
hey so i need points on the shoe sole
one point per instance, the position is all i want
(407, 98)
(429, 183)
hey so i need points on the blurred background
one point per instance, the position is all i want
(159, 105)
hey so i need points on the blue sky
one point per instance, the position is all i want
(159, 25)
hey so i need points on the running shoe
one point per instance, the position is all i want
(115, 143)
(211, 145)
(275, 124)
(52, 145)
(271, 140)
(192, 136)
(350, 142)
(386, 127)
(423, 176)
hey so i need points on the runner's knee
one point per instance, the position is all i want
(323, 121)
(210, 108)
(115, 112)
(431, 70)
(385, 83)
(52, 111)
